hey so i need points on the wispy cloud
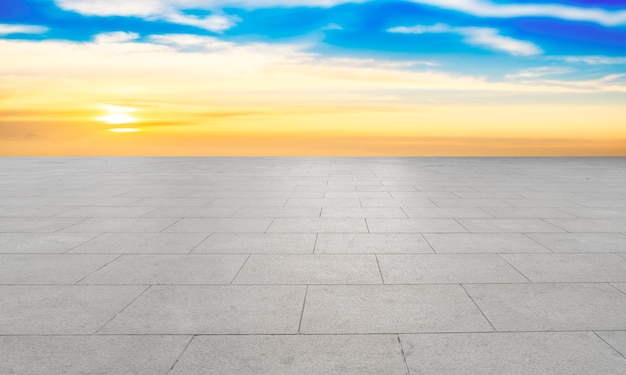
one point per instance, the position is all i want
(539, 72)
(485, 8)
(116, 37)
(476, 36)
(7, 29)
(595, 60)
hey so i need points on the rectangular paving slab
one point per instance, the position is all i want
(371, 243)
(296, 354)
(390, 309)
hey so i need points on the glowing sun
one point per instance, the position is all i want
(117, 115)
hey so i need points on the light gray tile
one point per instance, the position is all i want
(121, 225)
(42, 242)
(169, 269)
(581, 242)
(371, 243)
(389, 202)
(510, 353)
(390, 309)
(258, 243)
(508, 226)
(363, 212)
(551, 307)
(130, 243)
(325, 202)
(620, 286)
(183, 211)
(526, 213)
(175, 202)
(248, 202)
(79, 355)
(446, 268)
(49, 268)
(212, 310)
(35, 225)
(540, 203)
(442, 202)
(588, 225)
(274, 212)
(208, 225)
(31, 212)
(318, 226)
(104, 211)
(570, 267)
(61, 309)
(414, 226)
(446, 213)
(596, 213)
(617, 340)
(309, 269)
(310, 354)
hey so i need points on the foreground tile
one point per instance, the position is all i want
(310, 354)
(446, 268)
(208, 225)
(184, 211)
(129, 243)
(544, 307)
(212, 310)
(570, 267)
(508, 226)
(309, 269)
(484, 243)
(552, 353)
(581, 242)
(355, 243)
(414, 226)
(390, 309)
(121, 225)
(363, 212)
(318, 226)
(526, 213)
(49, 268)
(258, 243)
(61, 309)
(617, 339)
(35, 225)
(589, 225)
(41, 242)
(104, 211)
(445, 213)
(169, 269)
(273, 212)
(78, 355)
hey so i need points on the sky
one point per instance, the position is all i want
(313, 77)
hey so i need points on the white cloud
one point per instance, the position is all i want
(476, 36)
(6, 29)
(485, 8)
(116, 37)
(215, 22)
(539, 72)
(595, 60)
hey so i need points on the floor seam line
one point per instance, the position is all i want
(478, 307)
(181, 354)
(122, 310)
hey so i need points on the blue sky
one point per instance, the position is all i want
(424, 64)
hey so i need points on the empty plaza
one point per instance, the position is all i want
(312, 265)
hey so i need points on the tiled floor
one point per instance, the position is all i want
(313, 266)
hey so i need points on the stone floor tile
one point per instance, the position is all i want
(553, 353)
(446, 268)
(121, 225)
(173, 202)
(248, 202)
(414, 226)
(371, 243)
(169, 269)
(540, 203)
(282, 225)
(105, 212)
(443, 202)
(274, 212)
(569, 267)
(138, 243)
(363, 212)
(324, 202)
(526, 213)
(617, 340)
(49, 268)
(79, 355)
(42, 242)
(212, 310)
(295, 354)
(340, 309)
(551, 307)
(258, 243)
(309, 269)
(508, 226)
(35, 225)
(61, 309)
(596, 213)
(620, 286)
(184, 211)
(589, 225)
(210, 225)
(446, 213)
(581, 242)
(32, 212)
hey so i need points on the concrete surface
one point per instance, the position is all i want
(313, 266)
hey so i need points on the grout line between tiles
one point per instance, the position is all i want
(406, 365)
(306, 292)
(181, 354)
(122, 310)
(478, 307)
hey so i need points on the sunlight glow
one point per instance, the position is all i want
(124, 130)
(117, 115)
